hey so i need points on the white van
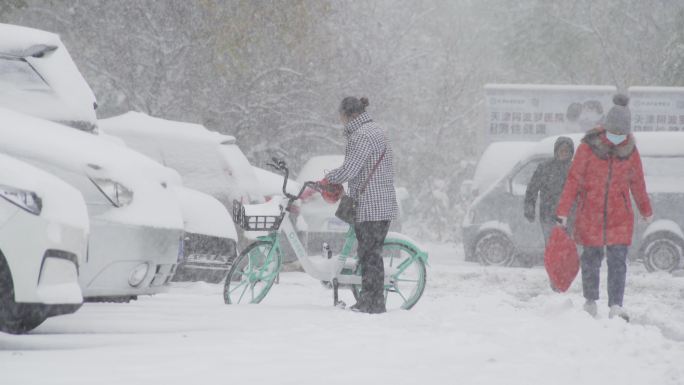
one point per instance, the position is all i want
(496, 160)
(136, 223)
(495, 231)
(43, 240)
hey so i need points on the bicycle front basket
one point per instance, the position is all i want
(254, 222)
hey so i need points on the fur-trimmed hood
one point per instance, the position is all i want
(601, 147)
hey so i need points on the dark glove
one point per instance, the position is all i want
(529, 214)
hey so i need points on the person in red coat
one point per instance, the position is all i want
(606, 169)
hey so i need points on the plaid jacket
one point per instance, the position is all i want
(365, 144)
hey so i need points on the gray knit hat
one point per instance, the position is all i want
(619, 119)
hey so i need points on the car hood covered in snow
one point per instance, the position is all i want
(87, 154)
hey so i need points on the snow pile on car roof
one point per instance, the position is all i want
(70, 99)
(199, 155)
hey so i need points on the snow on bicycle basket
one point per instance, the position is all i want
(261, 217)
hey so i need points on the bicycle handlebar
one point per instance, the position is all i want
(280, 165)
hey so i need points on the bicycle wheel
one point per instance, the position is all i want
(407, 276)
(252, 274)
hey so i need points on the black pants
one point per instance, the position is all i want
(617, 272)
(370, 237)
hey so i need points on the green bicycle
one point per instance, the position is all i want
(256, 268)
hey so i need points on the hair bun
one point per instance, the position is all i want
(364, 102)
(621, 100)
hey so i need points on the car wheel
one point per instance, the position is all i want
(662, 252)
(16, 318)
(494, 248)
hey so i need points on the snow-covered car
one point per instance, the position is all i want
(43, 81)
(495, 232)
(210, 239)
(39, 78)
(136, 224)
(317, 221)
(206, 160)
(43, 240)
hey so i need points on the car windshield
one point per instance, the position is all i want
(17, 74)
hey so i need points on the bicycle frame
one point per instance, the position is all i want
(319, 267)
(338, 270)
(339, 266)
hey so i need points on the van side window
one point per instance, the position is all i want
(522, 177)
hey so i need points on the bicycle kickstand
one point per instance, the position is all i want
(336, 301)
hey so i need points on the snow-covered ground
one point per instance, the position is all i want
(474, 325)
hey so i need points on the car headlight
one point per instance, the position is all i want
(27, 200)
(116, 193)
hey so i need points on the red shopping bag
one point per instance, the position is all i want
(560, 259)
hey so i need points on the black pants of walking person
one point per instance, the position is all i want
(617, 272)
(370, 237)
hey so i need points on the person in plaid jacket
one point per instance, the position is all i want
(377, 206)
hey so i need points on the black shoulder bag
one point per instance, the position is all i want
(346, 210)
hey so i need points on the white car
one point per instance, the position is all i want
(206, 160)
(210, 239)
(135, 220)
(43, 240)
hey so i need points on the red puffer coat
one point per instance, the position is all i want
(600, 180)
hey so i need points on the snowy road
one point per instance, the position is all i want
(474, 325)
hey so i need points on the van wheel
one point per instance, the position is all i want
(16, 318)
(662, 252)
(494, 248)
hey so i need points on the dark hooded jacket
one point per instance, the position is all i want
(547, 183)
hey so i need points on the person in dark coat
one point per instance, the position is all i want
(547, 184)
(368, 146)
(606, 169)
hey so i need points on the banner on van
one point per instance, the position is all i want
(657, 108)
(531, 112)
